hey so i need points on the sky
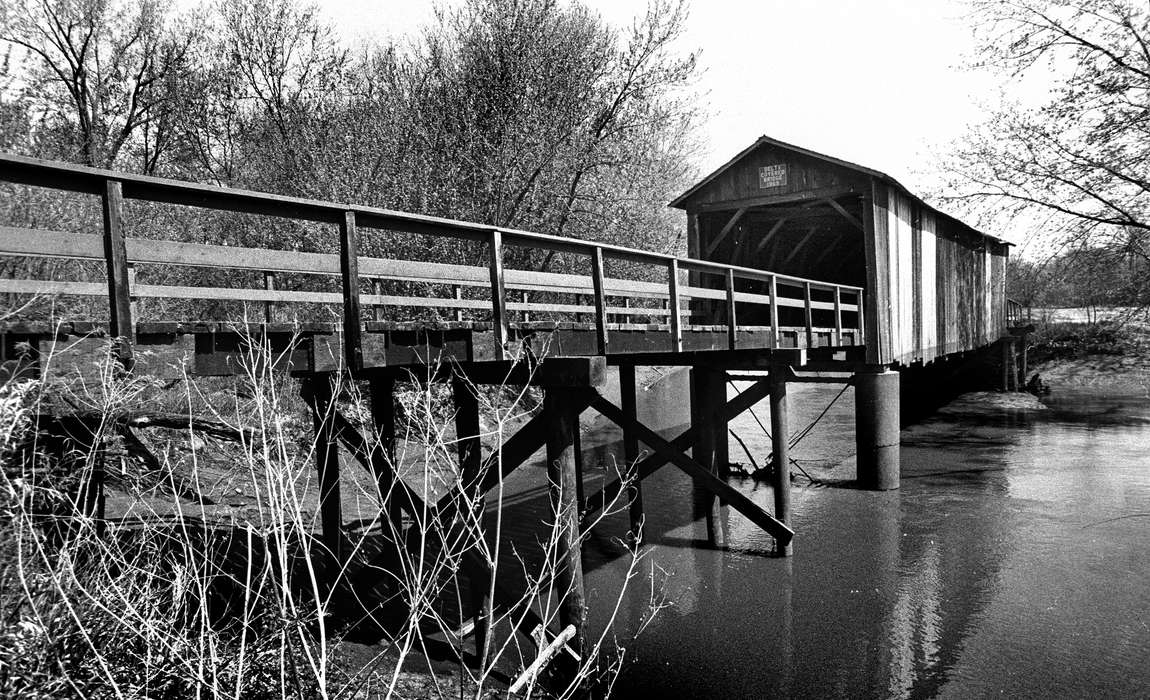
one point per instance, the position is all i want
(876, 82)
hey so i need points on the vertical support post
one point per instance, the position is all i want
(706, 387)
(498, 296)
(1013, 364)
(382, 390)
(774, 311)
(732, 321)
(134, 300)
(861, 339)
(1004, 360)
(479, 570)
(838, 316)
(120, 326)
(781, 449)
(808, 316)
(673, 305)
(526, 313)
(627, 305)
(562, 422)
(600, 299)
(377, 289)
(877, 428)
(457, 292)
(349, 272)
(627, 394)
(1024, 370)
(270, 286)
(317, 393)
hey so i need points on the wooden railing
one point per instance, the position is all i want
(1015, 312)
(664, 301)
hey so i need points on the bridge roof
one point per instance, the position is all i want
(680, 202)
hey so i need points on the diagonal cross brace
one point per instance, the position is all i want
(653, 462)
(698, 472)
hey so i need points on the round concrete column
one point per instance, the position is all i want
(877, 428)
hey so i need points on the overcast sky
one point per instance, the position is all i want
(877, 82)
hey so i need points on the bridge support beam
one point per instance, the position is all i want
(780, 449)
(628, 399)
(479, 569)
(708, 398)
(316, 391)
(562, 423)
(877, 428)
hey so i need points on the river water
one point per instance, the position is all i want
(1012, 562)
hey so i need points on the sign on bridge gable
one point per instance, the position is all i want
(772, 176)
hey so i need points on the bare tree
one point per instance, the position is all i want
(102, 71)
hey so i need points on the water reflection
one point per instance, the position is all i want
(906, 594)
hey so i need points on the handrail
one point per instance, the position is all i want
(114, 187)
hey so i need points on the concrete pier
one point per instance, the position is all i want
(877, 428)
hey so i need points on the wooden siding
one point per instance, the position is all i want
(940, 288)
(806, 178)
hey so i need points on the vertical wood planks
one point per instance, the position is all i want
(674, 305)
(349, 272)
(498, 295)
(774, 312)
(116, 260)
(732, 321)
(600, 299)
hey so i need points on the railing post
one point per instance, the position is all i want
(808, 316)
(732, 322)
(116, 258)
(774, 312)
(600, 299)
(861, 339)
(349, 270)
(526, 313)
(377, 307)
(457, 292)
(838, 316)
(269, 285)
(498, 302)
(673, 305)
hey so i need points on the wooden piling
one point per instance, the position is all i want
(562, 422)
(317, 393)
(479, 569)
(780, 447)
(708, 395)
(381, 388)
(627, 392)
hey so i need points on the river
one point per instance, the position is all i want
(1012, 562)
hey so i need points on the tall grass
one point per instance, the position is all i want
(173, 593)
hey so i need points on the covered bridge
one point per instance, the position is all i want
(933, 285)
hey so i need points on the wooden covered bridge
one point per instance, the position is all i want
(801, 267)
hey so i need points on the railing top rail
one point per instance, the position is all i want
(84, 179)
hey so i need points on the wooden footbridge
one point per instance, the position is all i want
(801, 267)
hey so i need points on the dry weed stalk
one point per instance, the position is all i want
(179, 596)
